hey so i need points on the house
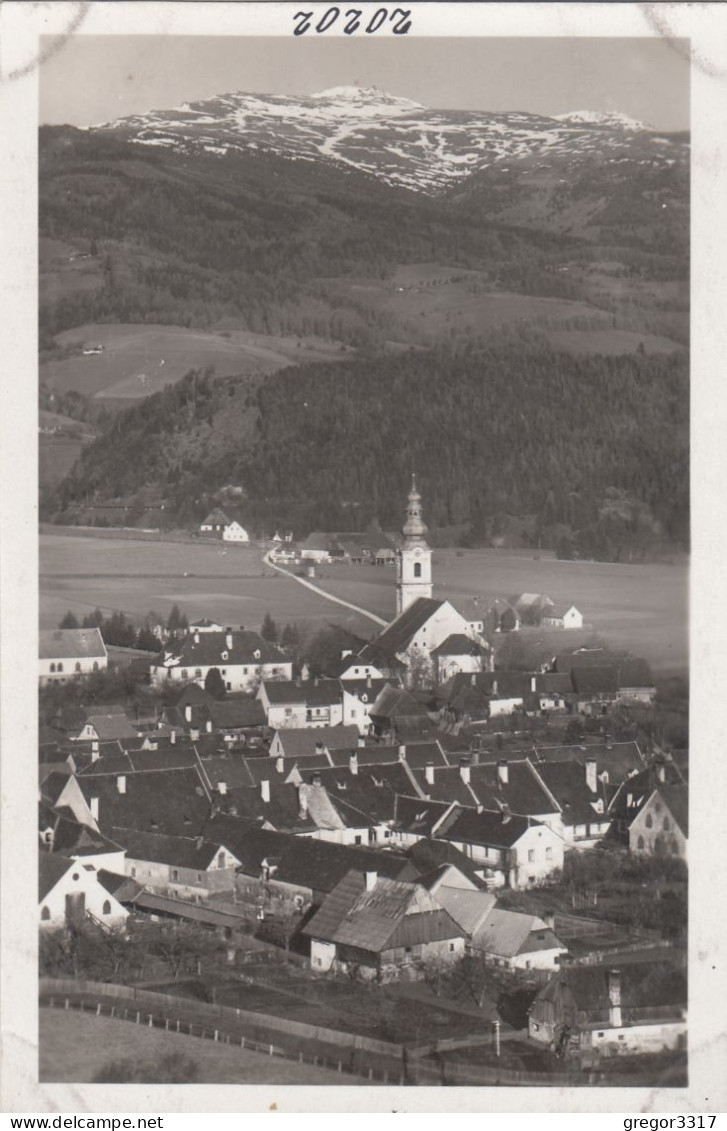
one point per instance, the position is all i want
(107, 727)
(174, 800)
(61, 833)
(633, 793)
(363, 797)
(235, 532)
(71, 895)
(416, 632)
(476, 696)
(381, 928)
(397, 714)
(661, 826)
(595, 689)
(357, 700)
(279, 873)
(514, 939)
(302, 703)
(508, 785)
(215, 522)
(66, 653)
(611, 1011)
(283, 552)
(583, 797)
(240, 720)
(183, 866)
(316, 548)
(531, 607)
(353, 667)
(516, 851)
(303, 742)
(204, 624)
(243, 659)
(562, 616)
(635, 683)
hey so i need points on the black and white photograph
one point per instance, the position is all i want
(361, 514)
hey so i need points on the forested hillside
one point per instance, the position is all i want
(595, 450)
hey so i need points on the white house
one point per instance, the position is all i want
(185, 867)
(67, 653)
(234, 532)
(243, 659)
(516, 851)
(661, 826)
(562, 616)
(70, 894)
(302, 703)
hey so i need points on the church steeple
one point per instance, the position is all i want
(414, 560)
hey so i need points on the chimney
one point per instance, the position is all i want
(315, 779)
(222, 787)
(94, 751)
(228, 638)
(473, 679)
(429, 773)
(402, 752)
(353, 763)
(503, 772)
(506, 814)
(173, 738)
(609, 742)
(194, 733)
(121, 783)
(208, 726)
(302, 801)
(464, 770)
(371, 878)
(265, 790)
(280, 763)
(199, 842)
(533, 683)
(494, 687)
(94, 808)
(591, 775)
(196, 638)
(660, 771)
(319, 747)
(361, 741)
(613, 979)
(188, 712)
(368, 681)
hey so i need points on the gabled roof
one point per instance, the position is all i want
(311, 692)
(507, 933)
(108, 727)
(676, 799)
(368, 796)
(316, 864)
(421, 817)
(217, 517)
(211, 650)
(397, 636)
(567, 783)
(588, 658)
(71, 644)
(392, 913)
(195, 853)
(120, 887)
(640, 786)
(644, 986)
(524, 792)
(468, 908)
(71, 838)
(429, 854)
(233, 713)
(490, 829)
(170, 801)
(298, 742)
(394, 703)
(365, 689)
(51, 868)
(457, 644)
(317, 540)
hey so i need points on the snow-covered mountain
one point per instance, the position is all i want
(392, 138)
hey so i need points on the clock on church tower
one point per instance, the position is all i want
(414, 559)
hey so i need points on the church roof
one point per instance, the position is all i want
(397, 636)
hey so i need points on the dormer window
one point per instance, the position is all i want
(225, 655)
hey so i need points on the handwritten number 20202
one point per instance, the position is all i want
(400, 18)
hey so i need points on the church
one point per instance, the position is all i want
(428, 640)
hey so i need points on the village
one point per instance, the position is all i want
(418, 860)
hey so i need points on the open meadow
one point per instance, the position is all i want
(75, 1046)
(229, 584)
(642, 608)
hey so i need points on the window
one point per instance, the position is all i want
(95, 665)
(649, 821)
(198, 673)
(224, 655)
(52, 667)
(451, 948)
(417, 569)
(184, 673)
(199, 877)
(45, 914)
(600, 1034)
(289, 712)
(549, 854)
(357, 840)
(175, 874)
(221, 860)
(106, 907)
(60, 667)
(133, 873)
(531, 855)
(78, 665)
(224, 671)
(666, 824)
(640, 844)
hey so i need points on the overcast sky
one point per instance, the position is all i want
(96, 78)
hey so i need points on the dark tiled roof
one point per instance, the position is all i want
(69, 643)
(312, 692)
(635, 673)
(415, 815)
(300, 741)
(217, 517)
(122, 888)
(167, 801)
(524, 792)
(617, 759)
(50, 870)
(108, 727)
(595, 680)
(588, 658)
(71, 838)
(211, 650)
(371, 792)
(367, 690)
(457, 644)
(177, 851)
(315, 864)
(644, 985)
(398, 635)
(428, 854)
(233, 713)
(640, 786)
(394, 703)
(567, 782)
(488, 828)
(676, 798)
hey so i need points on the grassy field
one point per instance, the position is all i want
(74, 1046)
(642, 608)
(228, 584)
(139, 360)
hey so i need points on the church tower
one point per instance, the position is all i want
(414, 560)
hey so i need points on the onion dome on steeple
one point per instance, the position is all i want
(414, 529)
